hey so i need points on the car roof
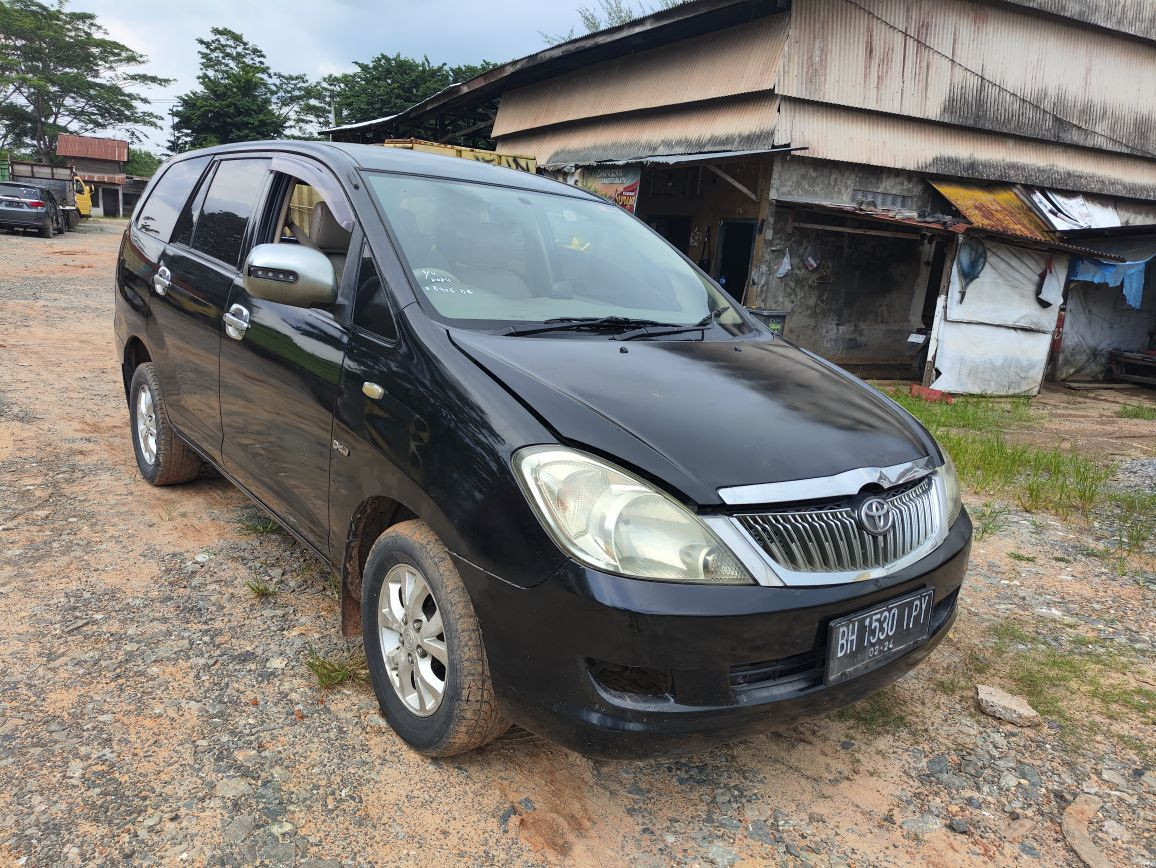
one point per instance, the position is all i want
(23, 186)
(383, 159)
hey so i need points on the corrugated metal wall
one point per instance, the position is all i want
(735, 61)
(964, 62)
(854, 136)
(742, 123)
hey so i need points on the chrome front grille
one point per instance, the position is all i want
(830, 539)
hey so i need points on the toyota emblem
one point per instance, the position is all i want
(876, 516)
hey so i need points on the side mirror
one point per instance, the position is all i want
(290, 274)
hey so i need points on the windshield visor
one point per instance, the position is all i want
(484, 255)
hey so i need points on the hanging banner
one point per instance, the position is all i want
(619, 184)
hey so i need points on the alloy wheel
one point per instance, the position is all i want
(413, 642)
(146, 425)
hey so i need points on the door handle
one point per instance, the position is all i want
(236, 322)
(372, 390)
(162, 280)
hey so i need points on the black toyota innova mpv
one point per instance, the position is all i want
(566, 481)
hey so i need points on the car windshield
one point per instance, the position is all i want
(485, 255)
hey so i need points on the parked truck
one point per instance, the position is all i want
(73, 194)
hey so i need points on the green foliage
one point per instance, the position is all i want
(241, 99)
(607, 14)
(59, 72)
(387, 85)
(972, 430)
(141, 163)
(333, 673)
(1137, 411)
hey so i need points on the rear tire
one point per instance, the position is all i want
(404, 664)
(162, 457)
(47, 230)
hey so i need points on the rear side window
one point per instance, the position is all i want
(159, 213)
(229, 204)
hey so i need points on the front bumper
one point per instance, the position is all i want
(625, 668)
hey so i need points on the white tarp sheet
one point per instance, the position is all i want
(1005, 291)
(995, 339)
(1073, 210)
(978, 359)
(1098, 319)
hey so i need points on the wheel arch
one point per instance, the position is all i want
(370, 520)
(135, 355)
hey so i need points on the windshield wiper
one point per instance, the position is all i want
(587, 323)
(645, 331)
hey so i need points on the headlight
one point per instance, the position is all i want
(615, 522)
(951, 488)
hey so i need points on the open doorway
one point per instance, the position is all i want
(736, 246)
(673, 228)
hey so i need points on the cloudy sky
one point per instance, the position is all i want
(318, 37)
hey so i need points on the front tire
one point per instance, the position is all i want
(162, 457)
(423, 645)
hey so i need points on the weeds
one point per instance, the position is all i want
(878, 714)
(989, 518)
(258, 525)
(261, 588)
(1058, 680)
(1135, 516)
(973, 431)
(334, 673)
(1137, 411)
(1027, 559)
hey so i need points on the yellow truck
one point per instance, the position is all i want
(73, 194)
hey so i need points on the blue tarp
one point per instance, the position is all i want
(1128, 275)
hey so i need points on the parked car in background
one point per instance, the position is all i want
(73, 195)
(565, 480)
(23, 206)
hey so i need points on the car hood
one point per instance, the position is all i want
(702, 415)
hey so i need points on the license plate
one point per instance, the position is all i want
(860, 642)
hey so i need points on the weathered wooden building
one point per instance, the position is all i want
(100, 162)
(905, 178)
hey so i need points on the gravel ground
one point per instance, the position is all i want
(154, 710)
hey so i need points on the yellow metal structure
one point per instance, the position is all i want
(83, 198)
(494, 158)
(996, 208)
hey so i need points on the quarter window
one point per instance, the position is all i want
(371, 309)
(230, 201)
(159, 213)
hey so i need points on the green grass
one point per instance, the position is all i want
(1138, 411)
(1062, 683)
(255, 525)
(967, 412)
(334, 673)
(878, 714)
(1134, 515)
(261, 588)
(989, 518)
(973, 430)
(1017, 556)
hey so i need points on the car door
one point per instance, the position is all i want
(191, 286)
(279, 375)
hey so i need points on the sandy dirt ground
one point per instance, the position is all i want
(154, 710)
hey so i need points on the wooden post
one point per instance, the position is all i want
(940, 309)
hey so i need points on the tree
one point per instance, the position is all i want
(608, 13)
(59, 72)
(241, 99)
(387, 85)
(141, 163)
